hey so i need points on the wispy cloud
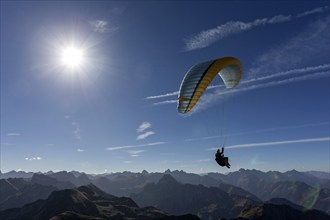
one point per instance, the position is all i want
(76, 130)
(207, 37)
(310, 43)
(142, 128)
(135, 153)
(145, 135)
(272, 143)
(133, 146)
(313, 11)
(33, 158)
(145, 125)
(79, 150)
(103, 26)
(13, 134)
(279, 19)
(204, 160)
(256, 161)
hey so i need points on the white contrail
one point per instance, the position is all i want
(258, 131)
(163, 96)
(279, 82)
(166, 102)
(289, 72)
(322, 139)
(211, 98)
(133, 146)
(207, 98)
(278, 74)
(177, 93)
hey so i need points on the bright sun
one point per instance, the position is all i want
(72, 57)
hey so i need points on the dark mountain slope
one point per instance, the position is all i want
(16, 192)
(276, 212)
(86, 202)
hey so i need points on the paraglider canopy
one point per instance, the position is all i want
(199, 77)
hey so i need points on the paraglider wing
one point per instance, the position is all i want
(199, 77)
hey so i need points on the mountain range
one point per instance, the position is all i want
(236, 195)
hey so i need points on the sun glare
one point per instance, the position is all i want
(72, 57)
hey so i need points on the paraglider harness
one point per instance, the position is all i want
(221, 159)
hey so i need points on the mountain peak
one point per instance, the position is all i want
(167, 179)
(167, 171)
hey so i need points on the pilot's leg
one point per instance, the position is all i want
(227, 162)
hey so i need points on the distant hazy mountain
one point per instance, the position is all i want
(249, 179)
(85, 202)
(177, 198)
(78, 179)
(300, 193)
(50, 181)
(298, 187)
(192, 178)
(318, 174)
(16, 174)
(16, 192)
(122, 184)
(234, 190)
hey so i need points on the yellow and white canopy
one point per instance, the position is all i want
(199, 77)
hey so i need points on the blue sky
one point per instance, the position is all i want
(116, 110)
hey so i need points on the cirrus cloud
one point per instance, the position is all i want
(207, 37)
(32, 158)
(145, 135)
(145, 125)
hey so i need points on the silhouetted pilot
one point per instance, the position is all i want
(221, 160)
